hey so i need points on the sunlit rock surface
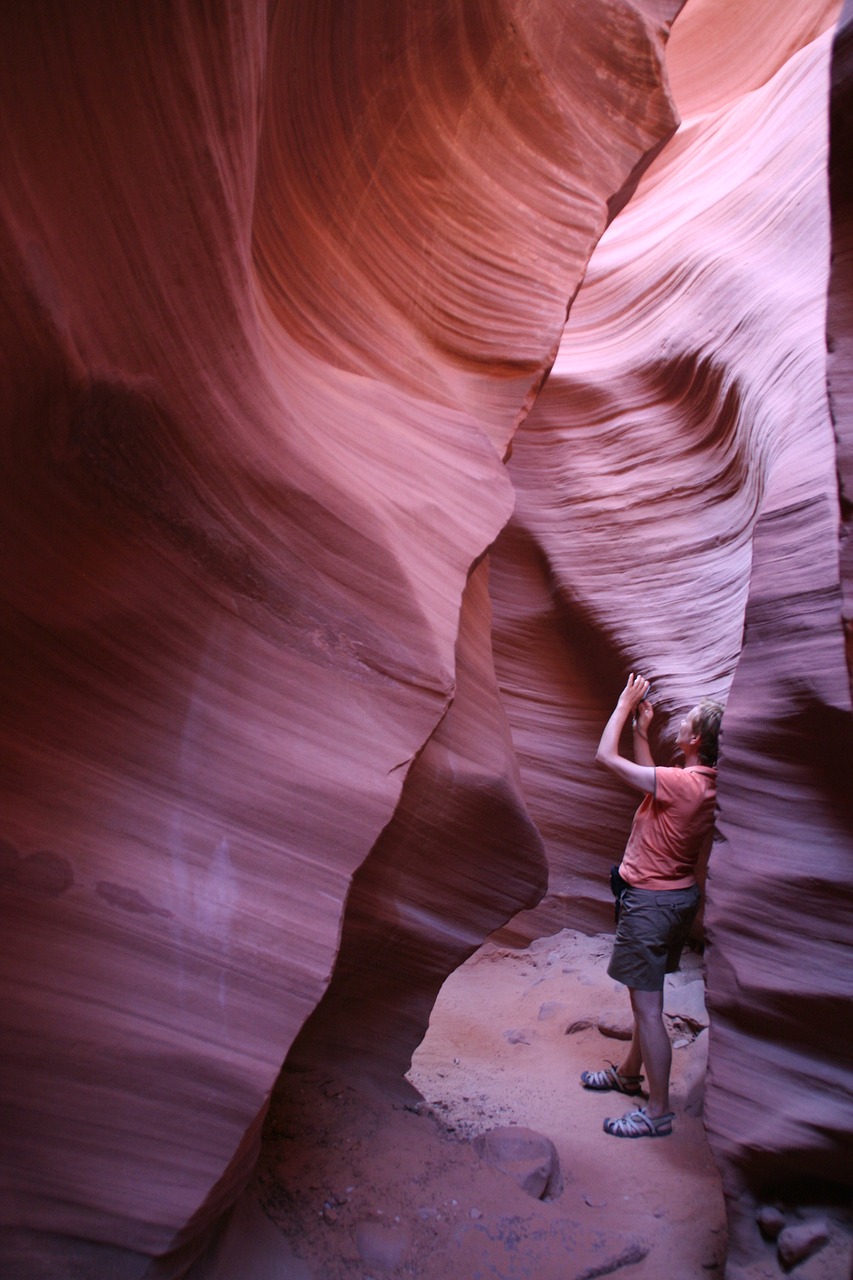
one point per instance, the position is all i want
(278, 284)
(678, 513)
(839, 322)
(275, 293)
(682, 390)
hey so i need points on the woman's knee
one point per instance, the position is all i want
(647, 1004)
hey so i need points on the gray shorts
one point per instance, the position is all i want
(654, 925)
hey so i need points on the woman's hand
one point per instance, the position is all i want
(634, 692)
(640, 772)
(643, 717)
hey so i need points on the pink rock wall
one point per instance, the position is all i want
(678, 513)
(275, 293)
(459, 857)
(779, 981)
(680, 392)
(839, 323)
(278, 288)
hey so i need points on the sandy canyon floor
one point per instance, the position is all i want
(362, 1189)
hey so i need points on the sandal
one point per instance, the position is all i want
(636, 1124)
(610, 1078)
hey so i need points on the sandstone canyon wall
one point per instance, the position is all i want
(278, 283)
(840, 303)
(280, 287)
(678, 513)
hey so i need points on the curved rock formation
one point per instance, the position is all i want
(717, 53)
(840, 305)
(457, 859)
(678, 512)
(679, 392)
(278, 286)
(275, 294)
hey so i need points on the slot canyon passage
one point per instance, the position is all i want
(382, 382)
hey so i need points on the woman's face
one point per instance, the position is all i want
(686, 730)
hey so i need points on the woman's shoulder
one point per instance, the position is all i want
(673, 780)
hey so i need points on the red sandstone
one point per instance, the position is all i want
(282, 735)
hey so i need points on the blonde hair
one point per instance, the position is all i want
(706, 725)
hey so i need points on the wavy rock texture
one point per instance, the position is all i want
(840, 305)
(277, 289)
(412, 916)
(678, 512)
(275, 294)
(717, 53)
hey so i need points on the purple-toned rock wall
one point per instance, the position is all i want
(326, 542)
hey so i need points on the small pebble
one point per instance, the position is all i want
(580, 1024)
(797, 1243)
(617, 1026)
(770, 1221)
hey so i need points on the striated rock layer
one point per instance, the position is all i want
(275, 292)
(278, 284)
(678, 513)
(410, 920)
(779, 977)
(839, 322)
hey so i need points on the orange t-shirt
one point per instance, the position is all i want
(670, 828)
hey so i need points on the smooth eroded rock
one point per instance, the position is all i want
(800, 1241)
(529, 1158)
